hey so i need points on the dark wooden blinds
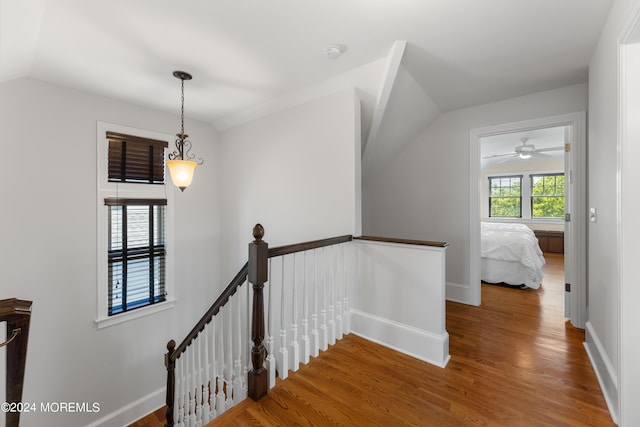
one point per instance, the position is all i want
(136, 160)
(116, 201)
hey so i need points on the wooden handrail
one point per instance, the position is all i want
(17, 314)
(306, 246)
(403, 241)
(231, 289)
(256, 272)
(174, 353)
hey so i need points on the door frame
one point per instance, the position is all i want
(628, 228)
(576, 254)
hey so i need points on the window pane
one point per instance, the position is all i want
(137, 257)
(505, 196)
(547, 196)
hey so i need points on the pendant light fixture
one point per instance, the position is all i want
(181, 163)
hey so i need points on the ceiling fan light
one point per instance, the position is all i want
(525, 156)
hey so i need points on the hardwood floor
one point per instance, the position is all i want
(515, 361)
(154, 419)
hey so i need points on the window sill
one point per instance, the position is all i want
(526, 220)
(104, 322)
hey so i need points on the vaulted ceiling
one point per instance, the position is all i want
(248, 57)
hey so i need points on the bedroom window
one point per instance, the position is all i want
(505, 196)
(547, 196)
(135, 225)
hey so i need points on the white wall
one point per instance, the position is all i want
(48, 253)
(297, 172)
(604, 280)
(424, 192)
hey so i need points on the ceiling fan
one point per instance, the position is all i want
(525, 151)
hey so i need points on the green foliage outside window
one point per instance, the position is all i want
(505, 196)
(547, 196)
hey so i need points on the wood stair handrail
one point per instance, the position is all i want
(17, 314)
(306, 246)
(229, 291)
(255, 271)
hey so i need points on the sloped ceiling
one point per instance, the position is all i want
(252, 57)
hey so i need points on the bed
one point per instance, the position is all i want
(511, 255)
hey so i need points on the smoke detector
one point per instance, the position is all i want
(333, 51)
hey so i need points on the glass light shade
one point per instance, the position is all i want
(181, 172)
(525, 156)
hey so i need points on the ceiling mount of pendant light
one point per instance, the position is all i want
(181, 162)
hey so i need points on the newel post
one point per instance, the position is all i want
(257, 275)
(170, 364)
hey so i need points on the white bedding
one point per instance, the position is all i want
(510, 254)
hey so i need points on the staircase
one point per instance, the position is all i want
(288, 303)
(236, 351)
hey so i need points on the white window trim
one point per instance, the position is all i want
(525, 194)
(152, 191)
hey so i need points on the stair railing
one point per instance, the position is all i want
(224, 358)
(17, 315)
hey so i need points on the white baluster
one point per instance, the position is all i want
(180, 409)
(339, 289)
(284, 353)
(214, 370)
(315, 338)
(220, 397)
(324, 332)
(238, 384)
(305, 312)
(348, 278)
(198, 358)
(229, 350)
(247, 336)
(271, 359)
(206, 409)
(295, 346)
(229, 394)
(193, 420)
(331, 292)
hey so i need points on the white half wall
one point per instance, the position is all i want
(297, 172)
(398, 298)
(424, 193)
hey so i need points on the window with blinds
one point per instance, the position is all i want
(134, 159)
(136, 236)
(135, 243)
(136, 253)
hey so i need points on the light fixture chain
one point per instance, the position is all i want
(182, 109)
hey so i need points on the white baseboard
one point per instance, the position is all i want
(458, 293)
(605, 372)
(133, 411)
(426, 346)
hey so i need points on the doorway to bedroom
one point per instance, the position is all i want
(526, 227)
(522, 210)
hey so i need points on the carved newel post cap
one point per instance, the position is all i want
(258, 233)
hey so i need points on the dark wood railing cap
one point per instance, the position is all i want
(403, 241)
(14, 306)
